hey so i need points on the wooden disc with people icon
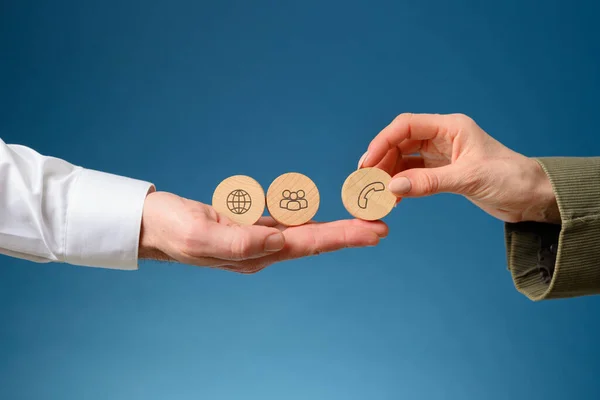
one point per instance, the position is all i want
(293, 199)
(366, 196)
(240, 198)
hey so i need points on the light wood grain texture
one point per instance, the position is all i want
(240, 198)
(293, 199)
(366, 196)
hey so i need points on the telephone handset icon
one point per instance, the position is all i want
(363, 197)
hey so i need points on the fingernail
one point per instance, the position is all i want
(362, 159)
(400, 185)
(275, 242)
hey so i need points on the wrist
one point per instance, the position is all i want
(544, 205)
(149, 231)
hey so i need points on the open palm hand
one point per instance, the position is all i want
(189, 232)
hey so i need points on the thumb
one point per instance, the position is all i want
(236, 243)
(419, 182)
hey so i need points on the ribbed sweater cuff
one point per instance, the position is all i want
(576, 184)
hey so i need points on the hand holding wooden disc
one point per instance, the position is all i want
(240, 198)
(366, 196)
(293, 199)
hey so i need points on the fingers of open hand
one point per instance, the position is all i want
(317, 238)
(249, 266)
(231, 242)
(302, 241)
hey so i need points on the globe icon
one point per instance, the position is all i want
(239, 201)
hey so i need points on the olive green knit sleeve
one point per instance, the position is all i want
(573, 247)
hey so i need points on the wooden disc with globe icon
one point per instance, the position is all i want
(239, 202)
(240, 198)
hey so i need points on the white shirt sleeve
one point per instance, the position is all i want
(53, 211)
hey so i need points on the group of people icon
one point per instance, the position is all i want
(293, 201)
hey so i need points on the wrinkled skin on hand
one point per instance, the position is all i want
(431, 153)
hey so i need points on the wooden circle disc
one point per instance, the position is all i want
(366, 196)
(240, 198)
(293, 199)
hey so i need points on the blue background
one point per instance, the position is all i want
(187, 93)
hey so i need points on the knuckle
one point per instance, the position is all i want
(314, 247)
(403, 117)
(463, 120)
(241, 247)
(430, 183)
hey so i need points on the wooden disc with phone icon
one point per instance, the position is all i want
(366, 196)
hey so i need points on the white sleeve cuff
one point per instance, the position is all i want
(104, 216)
